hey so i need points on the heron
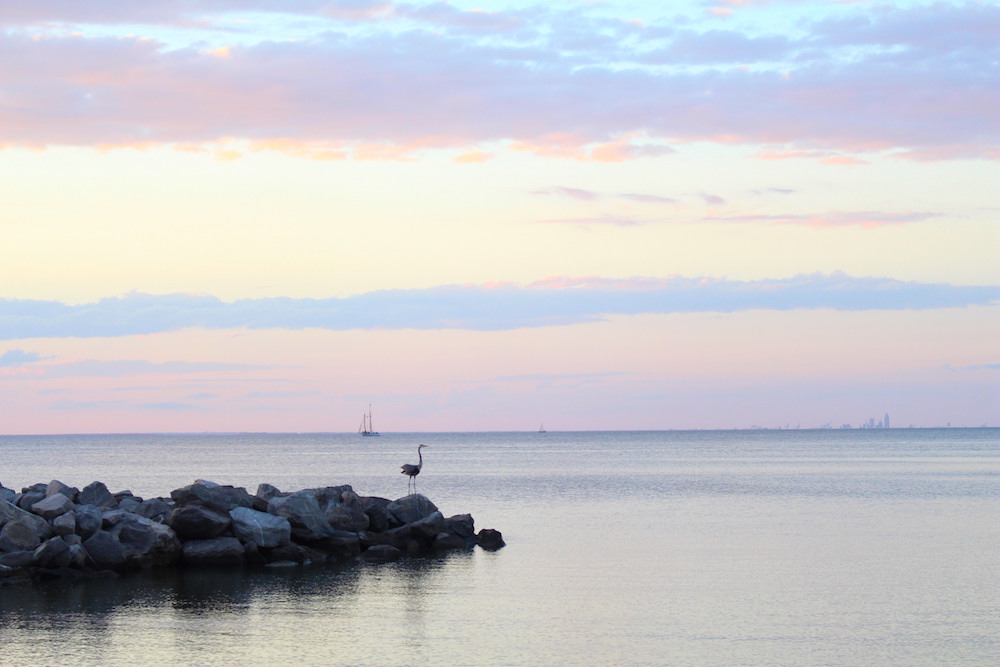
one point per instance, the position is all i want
(413, 470)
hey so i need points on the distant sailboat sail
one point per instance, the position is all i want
(541, 428)
(366, 428)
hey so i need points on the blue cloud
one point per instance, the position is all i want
(549, 303)
(18, 358)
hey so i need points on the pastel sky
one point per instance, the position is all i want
(265, 215)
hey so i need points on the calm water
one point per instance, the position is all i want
(641, 548)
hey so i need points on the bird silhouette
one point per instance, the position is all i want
(413, 470)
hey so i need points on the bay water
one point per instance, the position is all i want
(832, 547)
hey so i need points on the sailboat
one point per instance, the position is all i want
(541, 428)
(366, 424)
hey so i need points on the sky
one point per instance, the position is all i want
(263, 215)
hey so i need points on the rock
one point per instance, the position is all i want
(347, 514)
(147, 543)
(339, 544)
(17, 558)
(55, 505)
(52, 553)
(217, 551)
(129, 504)
(11, 512)
(157, 509)
(304, 514)
(98, 495)
(426, 530)
(105, 551)
(65, 524)
(13, 575)
(89, 520)
(448, 542)
(411, 508)
(264, 493)
(7, 494)
(379, 517)
(261, 528)
(19, 536)
(289, 551)
(29, 498)
(382, 553)
(55, 486)
(210, 494)
(195, 522)
(462, 525)
(490, 539)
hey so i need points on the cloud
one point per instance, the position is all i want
(553, 302)
(124, 368)
(868, 219)
(14, 358)
(573, 193)
(917, 82)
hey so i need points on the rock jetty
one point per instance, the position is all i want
(55, 531)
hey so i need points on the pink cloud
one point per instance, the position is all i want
(914, 82)
(866, 219)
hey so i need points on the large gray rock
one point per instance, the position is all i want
(157, 509)
(264, 493)
(218, 497)
(11, 512)
(195, 522)
(379, 517)
(345, 512)
(89, 519)
(217, 551)
(7, 494)
(304, 514)
(463, 526)
(411, 508)
(339, 544)
(65, 524)
(52, 506)
(29, 498)
(105, 551)
(261, 528)
(52, 553)
(19, 536)
(55, 486)
(96, 494)
(147, 543)
(427, 529)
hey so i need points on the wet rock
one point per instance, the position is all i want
(490, 539)
(97, 494)
(53, 553)
(195, 522)
(449, 542)
(216, 551)
(11, 512)
(105, 551)
(382, 553)
(147, 543)
(261, 528)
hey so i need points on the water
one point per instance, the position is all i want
(640, 548)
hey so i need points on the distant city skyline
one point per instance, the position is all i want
(244, 216)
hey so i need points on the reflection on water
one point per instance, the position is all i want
(317, 615)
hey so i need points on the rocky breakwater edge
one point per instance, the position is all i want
(54, 531)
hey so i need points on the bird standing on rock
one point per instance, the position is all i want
(413, 470)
